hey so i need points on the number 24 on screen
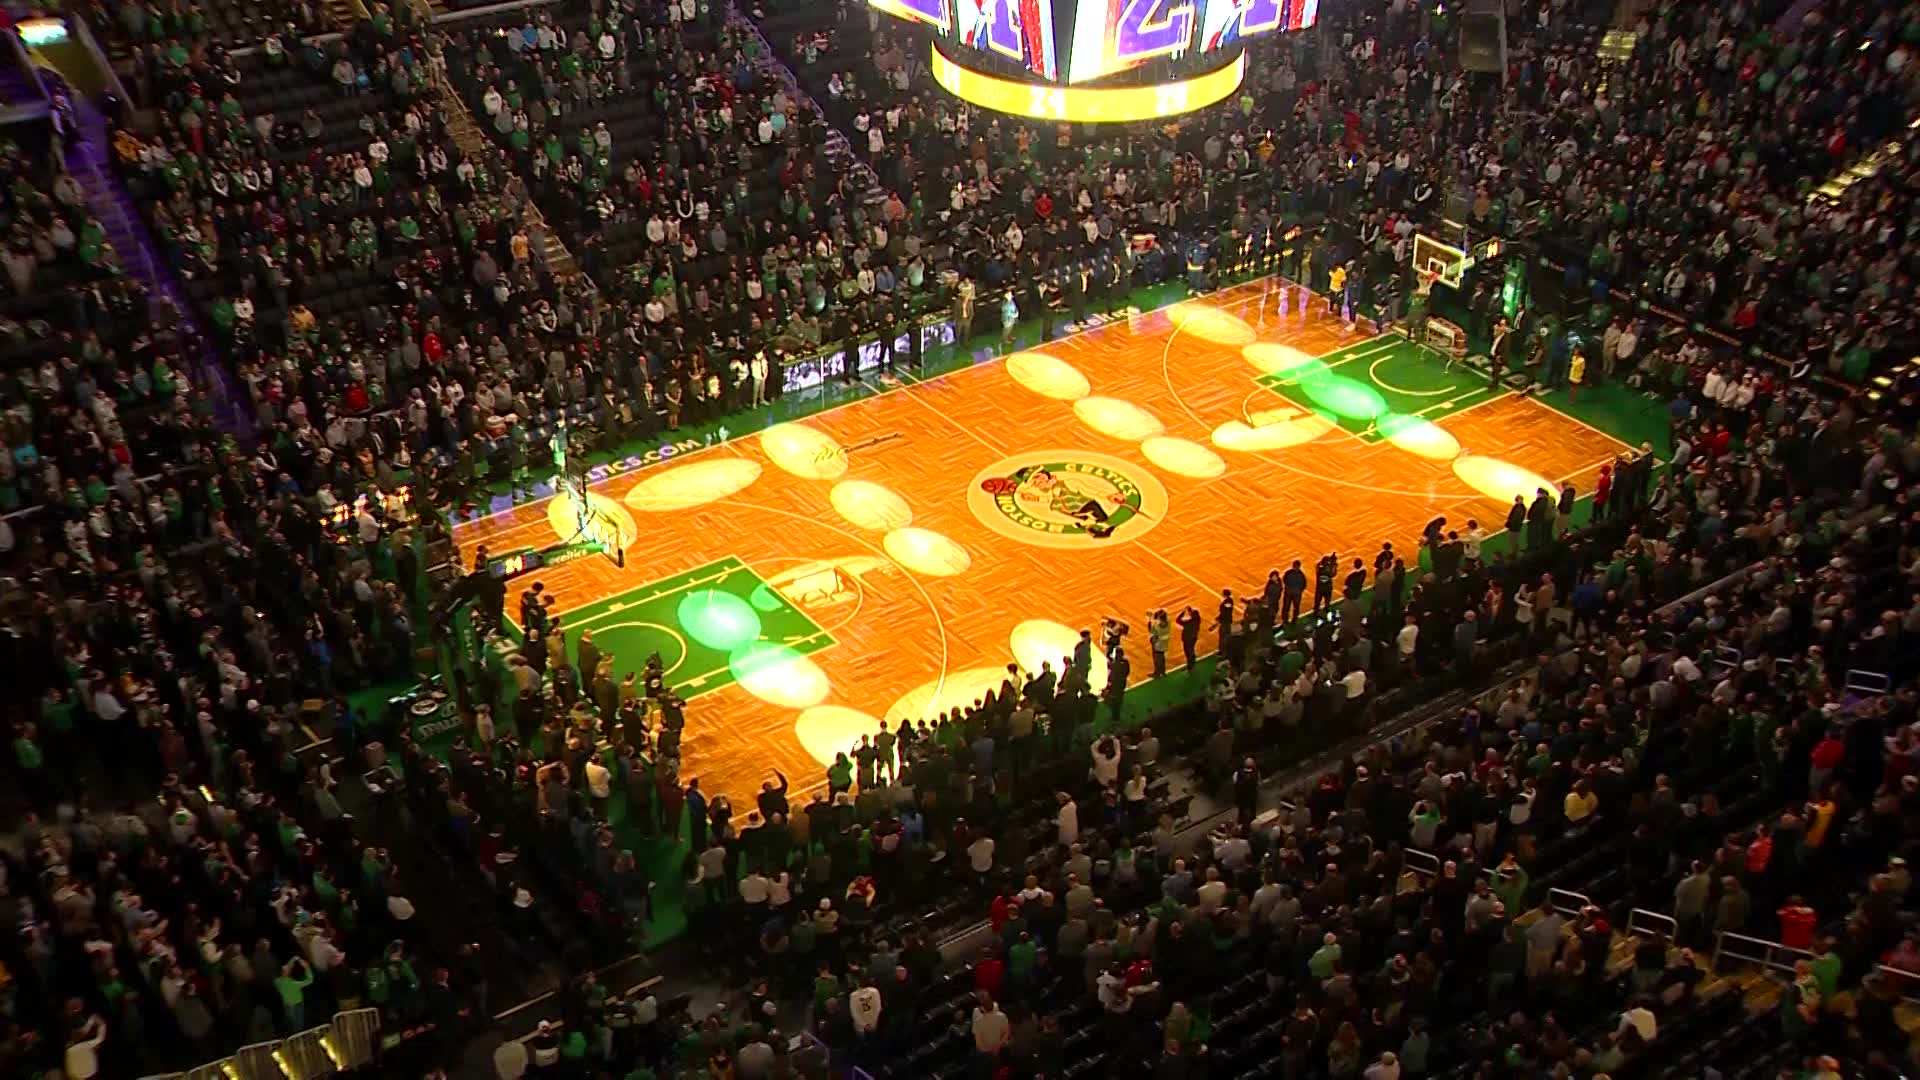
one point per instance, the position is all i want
(1149, 28)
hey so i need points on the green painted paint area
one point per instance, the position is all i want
(1302, 373)
(1379, 386)
(719, 620)
(1391, 424)
(761, 660)
(698, 621)
(1346, 398)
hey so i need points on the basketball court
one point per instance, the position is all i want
(890, 557)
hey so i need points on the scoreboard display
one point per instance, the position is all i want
(1081, 41)
(1018, 30)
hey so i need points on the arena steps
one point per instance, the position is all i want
(1864, 167)
(475, 144)
(89, 160)
(839, 150)
(1614, 51)
(343, 14)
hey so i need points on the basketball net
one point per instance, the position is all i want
(1425, 285)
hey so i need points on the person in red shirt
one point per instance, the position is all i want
(999, 913)
(1602, 487)
(989, 973)
(1826, 758)
(1043, 206)
(1796, 924)
(1900, 759)
(1760, 852)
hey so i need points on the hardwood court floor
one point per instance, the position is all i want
(912, 527)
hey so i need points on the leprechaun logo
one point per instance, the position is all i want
(1067, 499)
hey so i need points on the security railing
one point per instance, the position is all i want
(350, 1041)
(1770, 956)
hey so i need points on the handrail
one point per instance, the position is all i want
(349, 1041)
(311, 39)
(1862, 681)
(1752, 950)
(1662, 926)
(1909, 981)
(1412, 858)
(1568, 902)
(465, 14)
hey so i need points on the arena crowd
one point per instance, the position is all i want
(659, 209)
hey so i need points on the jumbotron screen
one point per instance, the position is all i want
(1098, 38)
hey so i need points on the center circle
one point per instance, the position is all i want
(1072, 499)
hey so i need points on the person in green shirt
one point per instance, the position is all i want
(1022, 959)
(56, 712)
(840, 774)
(1826, 970)
(31, 762)
(1320, 965)
(292, 983)
(826, 986)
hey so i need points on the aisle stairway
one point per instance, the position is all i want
(839, 151)
(474, 144)
(88, 159)
(18, 88)
(345, 13)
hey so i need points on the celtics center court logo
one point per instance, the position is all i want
(1067, 499)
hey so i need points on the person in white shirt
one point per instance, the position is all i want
(105, 705)
(1067, 820)
(864, 1007)
(1471, 540)
(990, 1027)
(1713, 385)
(1639, 1018)
(980, 854)
(1625, 348)
(1408, 640)
(1387, 1068)
(758, 371)
(545, 1045)
(599, 779)
(1355, 682)
(83, 1051)
(322, 955)
(755, 889)
(1212, 892)
(1685, 669)
(510, 1061)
